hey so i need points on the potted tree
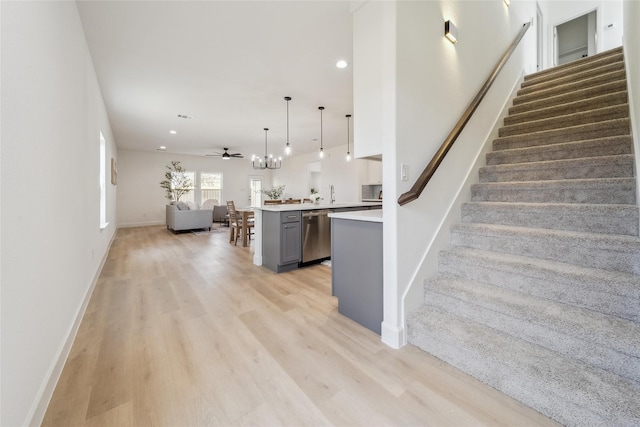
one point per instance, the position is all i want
(176, 182)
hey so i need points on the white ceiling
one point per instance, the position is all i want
(228, 65)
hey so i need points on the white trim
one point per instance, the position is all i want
(41, 403)
(141, 224)
(393, 336)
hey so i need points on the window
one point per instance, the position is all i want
(103, 182)
(210, 186)
(204, 186)
(191, 177)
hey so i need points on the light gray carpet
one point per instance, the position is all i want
(539, 294)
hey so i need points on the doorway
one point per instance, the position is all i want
(539, 39)
(256, 191)
(575, 39)
(315, 176)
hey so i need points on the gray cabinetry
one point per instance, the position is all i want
(281, 240)
(290, 237)
(356, 270)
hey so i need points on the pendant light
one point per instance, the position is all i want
(348, 116)
(287, 148)
(269, 161)
(321, 154)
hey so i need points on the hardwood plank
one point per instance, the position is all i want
(183, 330)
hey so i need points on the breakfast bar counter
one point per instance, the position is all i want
(356, 266)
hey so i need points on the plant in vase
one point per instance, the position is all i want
(274, 193)
(315, 197)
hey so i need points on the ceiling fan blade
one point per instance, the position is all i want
(226, 155)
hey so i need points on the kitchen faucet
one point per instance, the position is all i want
(333, 195)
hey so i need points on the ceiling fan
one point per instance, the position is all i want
(226, 155)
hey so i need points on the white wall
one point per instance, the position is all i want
(52, 246)
(369, 75)
(346, 177)
(141, 201)
(632, 57)
(432, 83)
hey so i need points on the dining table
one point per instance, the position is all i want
(246, 214)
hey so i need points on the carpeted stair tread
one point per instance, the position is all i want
(619, 166)
(613, 55)
(576, 74)
(608, 128)
(567, 120)
(568, 390)
(606, 218)
(605, 100)
(603, 190)
(582, 94)
(609, 146)
(612, 293)
(607, 342)
(568, 87)
(606, 251)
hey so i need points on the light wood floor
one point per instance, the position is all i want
(183, 330)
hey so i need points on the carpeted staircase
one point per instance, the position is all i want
(539, 294)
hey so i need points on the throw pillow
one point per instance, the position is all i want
(182, 206)
(193, 206)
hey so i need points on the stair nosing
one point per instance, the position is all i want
(591, 115)
(529, 86)
(563, 67)
(569, 87)
(569, 105)
(582, 323)
(546, 375)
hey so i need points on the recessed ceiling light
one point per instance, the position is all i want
(161, 148)
(341, 64)
(172, 132)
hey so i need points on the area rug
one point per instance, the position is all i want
(215, 229)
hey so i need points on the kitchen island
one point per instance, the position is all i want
(356, 266)
(289, 236)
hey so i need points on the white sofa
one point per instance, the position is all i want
(188, 219)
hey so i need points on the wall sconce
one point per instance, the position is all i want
(450, 31)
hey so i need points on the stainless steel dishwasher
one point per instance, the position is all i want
(316, 236)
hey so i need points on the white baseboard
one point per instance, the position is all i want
(140, 224)
(41, 403)
(393, 336)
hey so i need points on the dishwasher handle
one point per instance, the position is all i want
(315, 213)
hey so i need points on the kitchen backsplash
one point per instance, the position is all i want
(372, 191)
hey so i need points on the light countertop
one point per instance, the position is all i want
(311, 206)
(374, 215)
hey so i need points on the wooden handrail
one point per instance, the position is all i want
(428, 172)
